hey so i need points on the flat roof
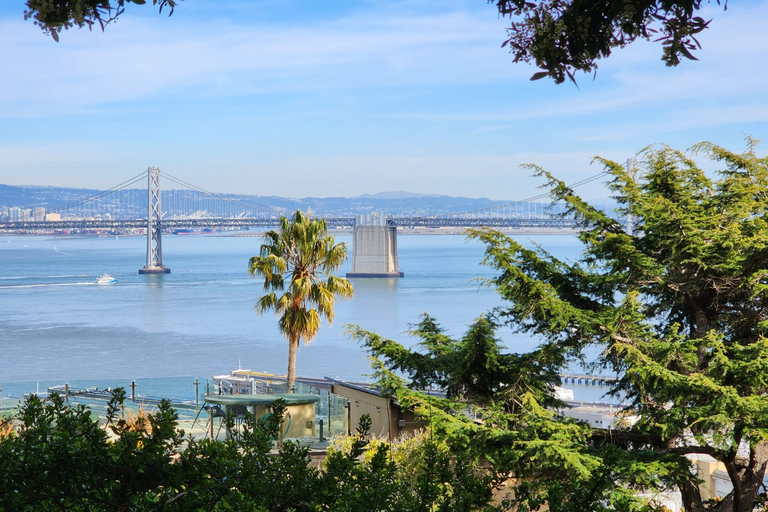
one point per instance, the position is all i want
(262, 399)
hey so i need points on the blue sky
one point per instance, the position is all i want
(342, 98)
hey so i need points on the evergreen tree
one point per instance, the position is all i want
(499, 408)
(678, 310)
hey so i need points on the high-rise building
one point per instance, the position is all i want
(39, 214)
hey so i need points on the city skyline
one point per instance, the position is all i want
(300, 100)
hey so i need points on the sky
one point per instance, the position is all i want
(343, 98)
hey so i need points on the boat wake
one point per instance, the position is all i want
(28, 277)
(45, 285)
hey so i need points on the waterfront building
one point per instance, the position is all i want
(599, 415)
(389, 420)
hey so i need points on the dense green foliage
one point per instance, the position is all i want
(303, 255)
(678, 310)
(564, 36)
(53, 16)
(500, 409)
(61, 459)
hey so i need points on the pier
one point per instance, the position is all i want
(587, 380)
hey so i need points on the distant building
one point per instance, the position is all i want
(52, 217)
(714, 482)
(599, 415)
(563, 394)
(671, 500)
(39, 214)
(388, 419)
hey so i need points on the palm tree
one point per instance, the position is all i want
(302, 255)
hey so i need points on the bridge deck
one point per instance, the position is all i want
(347, 222)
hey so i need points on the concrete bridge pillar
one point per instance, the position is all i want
(374, 244)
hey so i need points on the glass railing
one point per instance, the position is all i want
(186, 394)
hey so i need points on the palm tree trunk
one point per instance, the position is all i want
(293, 345)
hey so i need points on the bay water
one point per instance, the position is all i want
(57, 325)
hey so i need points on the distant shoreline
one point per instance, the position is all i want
(506, 231)
(333, 231)
(426, 231)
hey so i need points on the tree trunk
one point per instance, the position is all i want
(293, 345)
(691, 496)
(748, 478)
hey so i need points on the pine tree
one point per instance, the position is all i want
(677, 310)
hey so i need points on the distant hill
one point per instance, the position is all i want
(391, 203)
(399, 194)
(49, 197)
(396, 203)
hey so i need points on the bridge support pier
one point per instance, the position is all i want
(374, 243)
(154, 215)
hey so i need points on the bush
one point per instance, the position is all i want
(60, 458)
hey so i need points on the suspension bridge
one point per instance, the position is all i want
(127, 208)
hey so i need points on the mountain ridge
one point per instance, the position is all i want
(394, 203)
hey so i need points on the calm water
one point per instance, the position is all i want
(57, 326)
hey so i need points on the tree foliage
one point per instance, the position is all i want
(564, 36)
(302, 255)
(678, 310)
(508, 421)
(60, 458)
(53, 16)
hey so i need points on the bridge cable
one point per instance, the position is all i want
(94, 197)
(222, 197)
(527, 200)
(214, 194)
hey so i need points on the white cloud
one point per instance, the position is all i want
(633, 88)
(134, 60)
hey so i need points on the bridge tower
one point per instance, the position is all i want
(374, 251)
(154, 216)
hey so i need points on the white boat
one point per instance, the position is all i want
(105, 279)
